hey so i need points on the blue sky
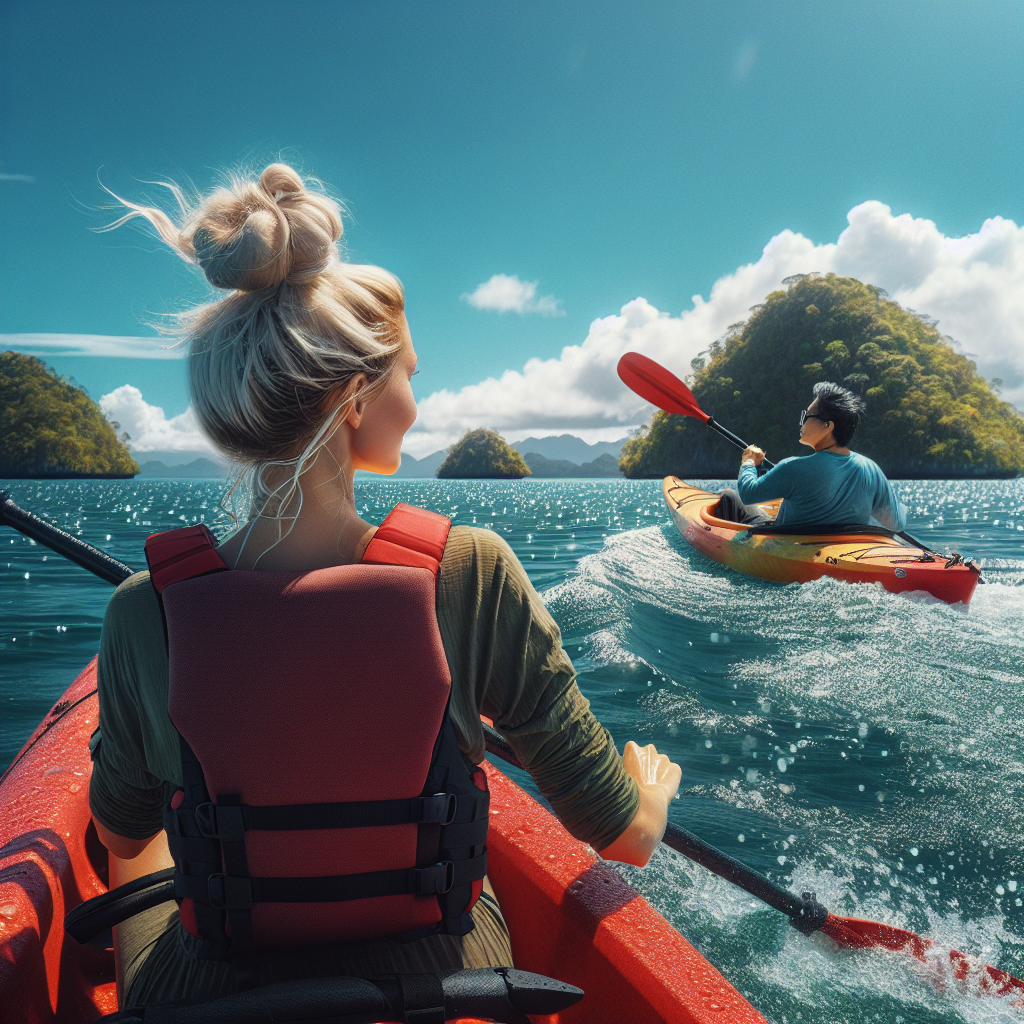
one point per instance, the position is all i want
(608, 152)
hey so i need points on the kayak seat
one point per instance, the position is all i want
(502, 993)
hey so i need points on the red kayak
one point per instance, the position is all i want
(570, 915)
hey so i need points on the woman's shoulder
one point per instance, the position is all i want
(133, 605)
(474, 555)
(474, 543)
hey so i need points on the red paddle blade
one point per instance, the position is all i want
(651, 381)
(859, 934)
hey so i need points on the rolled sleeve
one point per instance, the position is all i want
(133, 750)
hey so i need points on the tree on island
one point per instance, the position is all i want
(49, 427)
(929, 413)
(482, 454)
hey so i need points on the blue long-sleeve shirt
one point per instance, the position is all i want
(825, 489)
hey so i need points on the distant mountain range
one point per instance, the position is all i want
(202, 467)
(572, 452)
(563, 456)
(606, 465)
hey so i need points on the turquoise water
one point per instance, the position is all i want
(836, 737)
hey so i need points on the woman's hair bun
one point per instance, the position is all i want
(261, 234)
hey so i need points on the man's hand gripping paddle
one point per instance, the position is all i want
(651, 381)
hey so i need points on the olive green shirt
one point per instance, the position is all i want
(506, 661)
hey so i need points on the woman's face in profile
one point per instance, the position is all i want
(377, 441)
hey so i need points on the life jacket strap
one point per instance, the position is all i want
(230, 821)
(239, 893)
(410, 536)
(182, 554)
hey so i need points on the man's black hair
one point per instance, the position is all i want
(840, 406)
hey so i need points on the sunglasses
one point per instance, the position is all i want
(805, 415)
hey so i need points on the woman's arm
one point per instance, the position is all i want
(657, 779)
(121, 846)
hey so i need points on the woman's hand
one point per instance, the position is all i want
(657, 778)
(753, 454)
(649, 768)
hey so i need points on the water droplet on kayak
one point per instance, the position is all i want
(714, 636)
(742, 838)
(9, 909)
(781, 764)
(913, 850)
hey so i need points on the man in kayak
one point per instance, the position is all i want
(832, 487)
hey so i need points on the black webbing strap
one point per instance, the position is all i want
(202, 856)
(422, 998)
(236, 866)
(471, 833)
(240, 893)
(229, 822)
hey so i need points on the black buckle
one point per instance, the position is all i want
(228, 893)
(206, 820)
(438, 809)
(435, 880)
(220, 821)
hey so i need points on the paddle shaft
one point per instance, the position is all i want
(729, 435)
(804, 913)
(77, 551)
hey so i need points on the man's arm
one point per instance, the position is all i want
(889, 511)
(776, 483)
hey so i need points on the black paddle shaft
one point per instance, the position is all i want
(85, 555)
(804, 912)
(729, 435)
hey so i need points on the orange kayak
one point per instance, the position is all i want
(868, 557)
(570, 915)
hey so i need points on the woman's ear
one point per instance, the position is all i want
(356, 405)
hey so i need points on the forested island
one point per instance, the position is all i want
(49, 427)
(482, 454)
(929, 413)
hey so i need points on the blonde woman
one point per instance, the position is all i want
(319, 671)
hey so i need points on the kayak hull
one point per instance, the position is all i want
(793, 558)
(570, 915)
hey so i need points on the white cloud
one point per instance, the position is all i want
(507, 294)
(743, 61)
(974, 285)
(92, 345)
(149, 428)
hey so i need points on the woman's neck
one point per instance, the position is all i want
(320, 530)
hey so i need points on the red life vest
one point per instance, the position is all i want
(325, 798)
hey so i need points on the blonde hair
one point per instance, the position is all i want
(271, 364)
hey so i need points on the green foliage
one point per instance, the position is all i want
(50, 427)
(929, 414)
(482, 454)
